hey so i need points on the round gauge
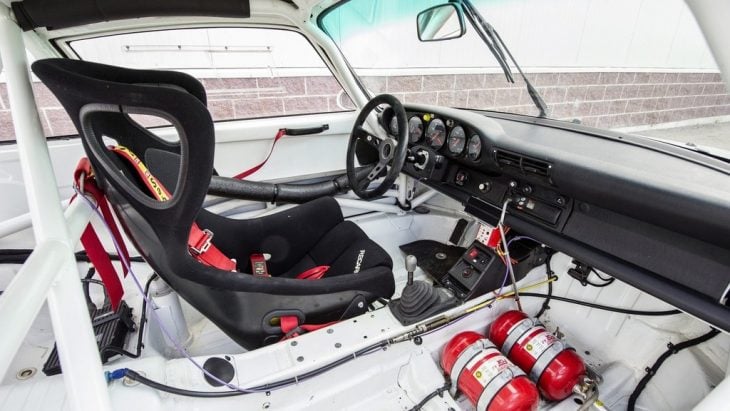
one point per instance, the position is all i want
(415, 129)
(436, 133)
(474, 149)
(457, 140)
(394, 125)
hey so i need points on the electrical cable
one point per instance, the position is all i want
(592, 284)
(439, 392)
(506, 272)
(85, 287)
(605, 307)
(672, 349)
(508, 259)
(550, 274)
(606, 281)
(611, 279)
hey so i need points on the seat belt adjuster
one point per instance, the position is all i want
(201, 244)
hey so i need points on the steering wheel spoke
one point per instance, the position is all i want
(377, 170)
(368, 137)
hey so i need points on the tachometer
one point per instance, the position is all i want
(474, 150)
(457, 140)
(436, 133)
(394, 125)
(415, 129)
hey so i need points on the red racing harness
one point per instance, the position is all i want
(199, 240)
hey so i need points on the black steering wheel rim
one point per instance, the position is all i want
(391, 151)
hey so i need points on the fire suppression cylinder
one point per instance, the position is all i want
(485, 376)
(550, 363)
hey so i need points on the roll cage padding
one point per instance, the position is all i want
(58, 14)
(282, 192)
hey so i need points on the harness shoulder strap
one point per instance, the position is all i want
(199, 240)
(85, 181)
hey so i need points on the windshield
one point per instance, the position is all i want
(438, 72)
(637, 67)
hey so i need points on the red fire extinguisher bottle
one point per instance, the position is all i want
(550, 363)
(485, 376)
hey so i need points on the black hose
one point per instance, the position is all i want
(604, 307)
(133, 375)
(672, 349)
(439, 392)
(549, 272)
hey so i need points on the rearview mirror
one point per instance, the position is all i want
(442, 22)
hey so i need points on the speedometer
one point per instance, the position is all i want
(436, 134)
(415, 129)
(457, 140)
(474, 150)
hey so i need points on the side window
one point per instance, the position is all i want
(7, 132)
(247, 72)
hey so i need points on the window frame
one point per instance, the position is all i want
(63, 47)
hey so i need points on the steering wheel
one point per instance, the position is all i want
(391, 151)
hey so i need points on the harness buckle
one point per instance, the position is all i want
(203, 244)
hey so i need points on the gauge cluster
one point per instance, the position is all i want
(444, 135)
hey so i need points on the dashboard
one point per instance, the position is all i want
(462, 161)
(651, 214)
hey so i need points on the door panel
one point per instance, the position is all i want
(240, 144)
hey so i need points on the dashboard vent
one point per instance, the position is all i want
(527, 165)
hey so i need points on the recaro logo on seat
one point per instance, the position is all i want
(358, 262)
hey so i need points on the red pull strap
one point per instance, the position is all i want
(290, 326)
(314, 273)
(242, 175)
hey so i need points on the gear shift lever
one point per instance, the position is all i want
(419, 299)
(411, 264)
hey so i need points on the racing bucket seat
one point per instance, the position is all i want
(101, 100)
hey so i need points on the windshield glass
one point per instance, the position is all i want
(638, 67)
